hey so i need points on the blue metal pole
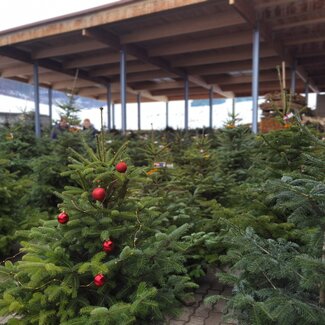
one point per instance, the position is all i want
(109, 103)
(167, 113)
(233, 111)
(139, 110)
(306, 92)
(293, 78)
(210, 107)
(36, 101)
(50, 104)
(255, 85)
(123, 87)
(113, 115)
(186, 95)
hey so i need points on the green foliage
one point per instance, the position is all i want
(274, 283)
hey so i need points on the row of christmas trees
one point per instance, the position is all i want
(132, 236)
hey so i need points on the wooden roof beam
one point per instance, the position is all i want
(305, 40)
(243, 79)
(93, 60)
(67, 49)
(145, 76)
(305, 22)
(183, 27)
(226, 55)
(69, 84)
(238, 66)
(131, 68)
(247, 11)
(25, 70)
(197, 45)
(158, 85)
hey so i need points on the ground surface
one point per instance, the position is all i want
(199, 313)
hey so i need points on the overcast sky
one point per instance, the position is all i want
(20, 12)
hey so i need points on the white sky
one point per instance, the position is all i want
(20, 12)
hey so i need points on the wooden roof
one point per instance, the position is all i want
(209, 41)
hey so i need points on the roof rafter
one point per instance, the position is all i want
(67, 49)
(207, 43)
(182, 27)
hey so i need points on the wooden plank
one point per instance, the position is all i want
(51, 77)
(304, 40)
(106, 14)
(67, 49)
(246, 79)
(94, 60)
(171, 92)
(158, 86)
(304, 22)
(227, 55)
(265, 64)
(21, 69)
(183, 27)
(92, 91)
(146, 76)
(263, 86)
(197, 45)
(68, 84)
(131, 68)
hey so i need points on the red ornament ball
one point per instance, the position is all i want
(99, 280)
(108, 246)
(121, 167)
(63, 218)
(98, 194)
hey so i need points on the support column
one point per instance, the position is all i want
(139, 110)
(306, 92)
(50, 94)
(293, 78)
(36, 101)
(123, 88)
(113, 116)
(109, 102)
(233, 108)
(186, 95)
(167, 113)
(255, 85)
(210, 107)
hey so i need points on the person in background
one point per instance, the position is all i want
(60, 128)
(89, 128)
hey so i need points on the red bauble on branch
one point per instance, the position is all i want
(121, 167)
(63, 218)
(108, 246)
(99, 194)
(99, 280)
